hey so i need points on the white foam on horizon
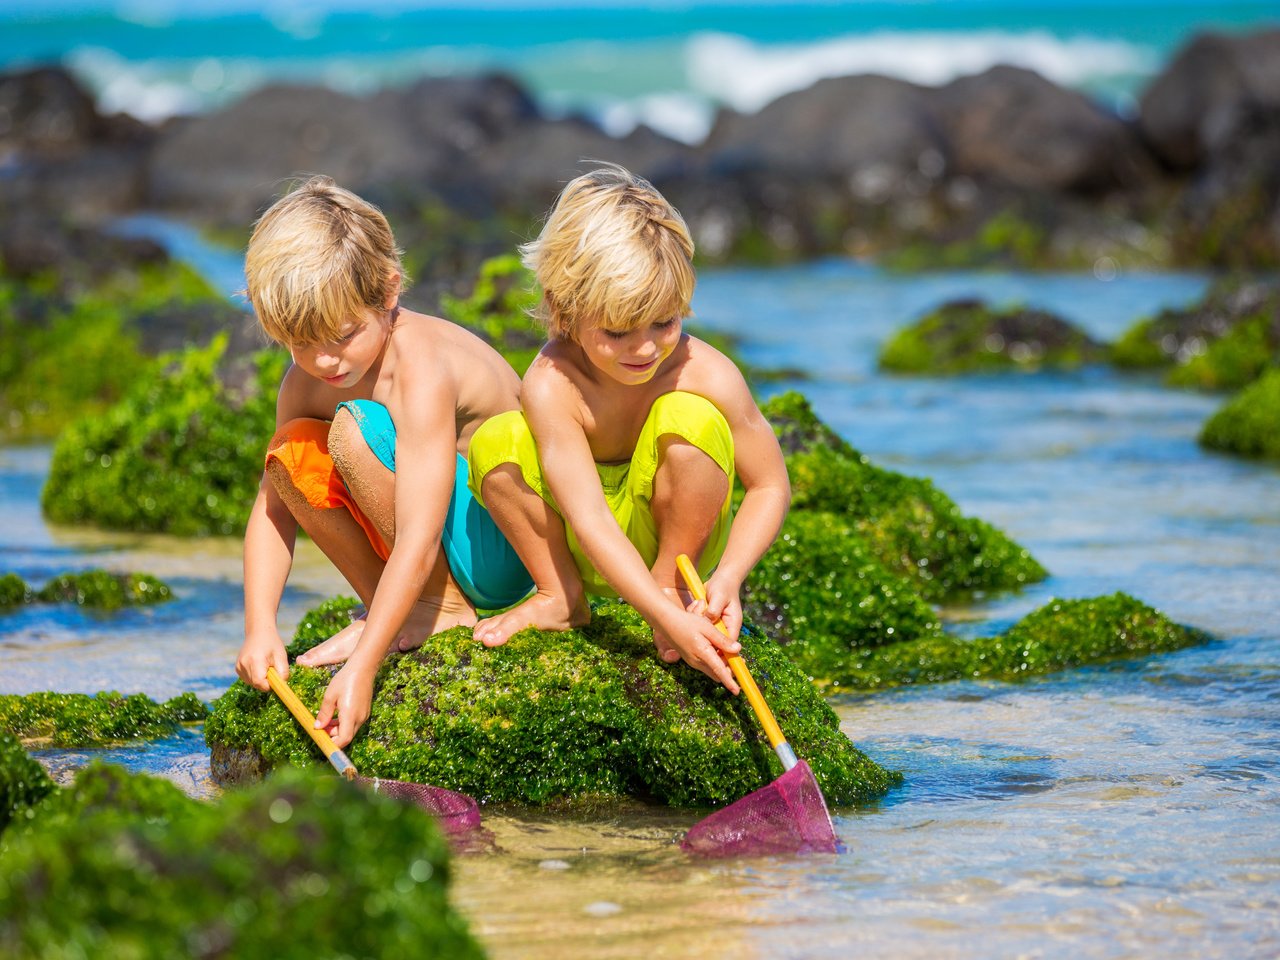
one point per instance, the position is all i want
(747, 75)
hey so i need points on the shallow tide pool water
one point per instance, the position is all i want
(1129, 810)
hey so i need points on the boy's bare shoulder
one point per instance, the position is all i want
(703, 368)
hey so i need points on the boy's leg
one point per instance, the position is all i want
(372, 486)
(689, 492)
(536, 533)
(334, 531)
(506, 479)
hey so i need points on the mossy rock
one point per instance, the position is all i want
(181, 454)
(1249, 423)
(23, 782)
(123, 865)
(575, 716)
(966, 336)
(78, 719)
(13, 591)
(1058, 636)
(71, 350)
(915, 530)
(822, 593)
(103, 590)
(1227, 339)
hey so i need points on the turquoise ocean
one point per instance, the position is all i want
(669, 65)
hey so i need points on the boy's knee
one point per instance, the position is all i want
(345, 440)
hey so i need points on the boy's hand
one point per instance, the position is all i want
(699, 644)
(724, 603)
(350, 696)
(259, 652)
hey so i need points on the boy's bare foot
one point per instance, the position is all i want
(337, 648)
(433, 616)
(426, 618)
(667, 651)
(543, 610)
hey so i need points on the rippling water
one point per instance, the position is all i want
(1126, 810)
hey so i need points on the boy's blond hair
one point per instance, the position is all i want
(316, 259)
(613, 252)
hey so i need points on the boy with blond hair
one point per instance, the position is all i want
(631, 434)
(374, 420)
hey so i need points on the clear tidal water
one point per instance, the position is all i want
(1131, 810)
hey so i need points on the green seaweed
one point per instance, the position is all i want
(582, 714)
(104, 590)
(182, 453)
(1225, 340)
(913, 529)
(78, 719)
(1059, 635)
(968, 336)
(68, 354)
(23, 782)
(122, 865)
(13, 591)
(1249, 423)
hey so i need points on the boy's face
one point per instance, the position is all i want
(632, 356)
(343, 363)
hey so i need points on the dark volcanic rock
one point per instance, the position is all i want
(1013, 125)
(1194, 106)
(32, 242)
(868, 127)
(60, 153)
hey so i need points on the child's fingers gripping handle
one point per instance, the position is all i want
(738, 666)
(300, 712)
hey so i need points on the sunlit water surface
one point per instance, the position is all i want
(1125, 811)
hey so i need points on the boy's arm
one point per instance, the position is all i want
(571, 474)
(423, 409)
(760, 465)
(269, 539)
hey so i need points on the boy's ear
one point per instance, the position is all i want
(393, 291)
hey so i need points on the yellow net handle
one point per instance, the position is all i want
(740, 672)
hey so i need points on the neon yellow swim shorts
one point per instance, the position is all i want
(628, 486)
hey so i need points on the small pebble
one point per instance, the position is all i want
(554, 865)
(601, 908)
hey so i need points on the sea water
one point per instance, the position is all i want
(1126, 810)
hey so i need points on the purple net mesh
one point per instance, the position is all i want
(456, 812)
(787, 816)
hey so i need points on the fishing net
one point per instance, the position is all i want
(456, 813)
(787, 816)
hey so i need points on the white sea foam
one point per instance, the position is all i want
(748, 75)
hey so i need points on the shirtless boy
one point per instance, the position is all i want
(631, 434)
(374, 421)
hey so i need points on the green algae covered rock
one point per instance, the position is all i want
(1060, 635)
(1225, 340)
(913, 529)
(71, 350)
(77, 719)
(13, 591)
(822, 593)
(304, 864)
(98, 589)
(104, 590)
(966, 336)
(1249, 423)
(182, 453)
(23, 782)
(579, 715)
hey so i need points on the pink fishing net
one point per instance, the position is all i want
(456, 812)
(787, 816)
